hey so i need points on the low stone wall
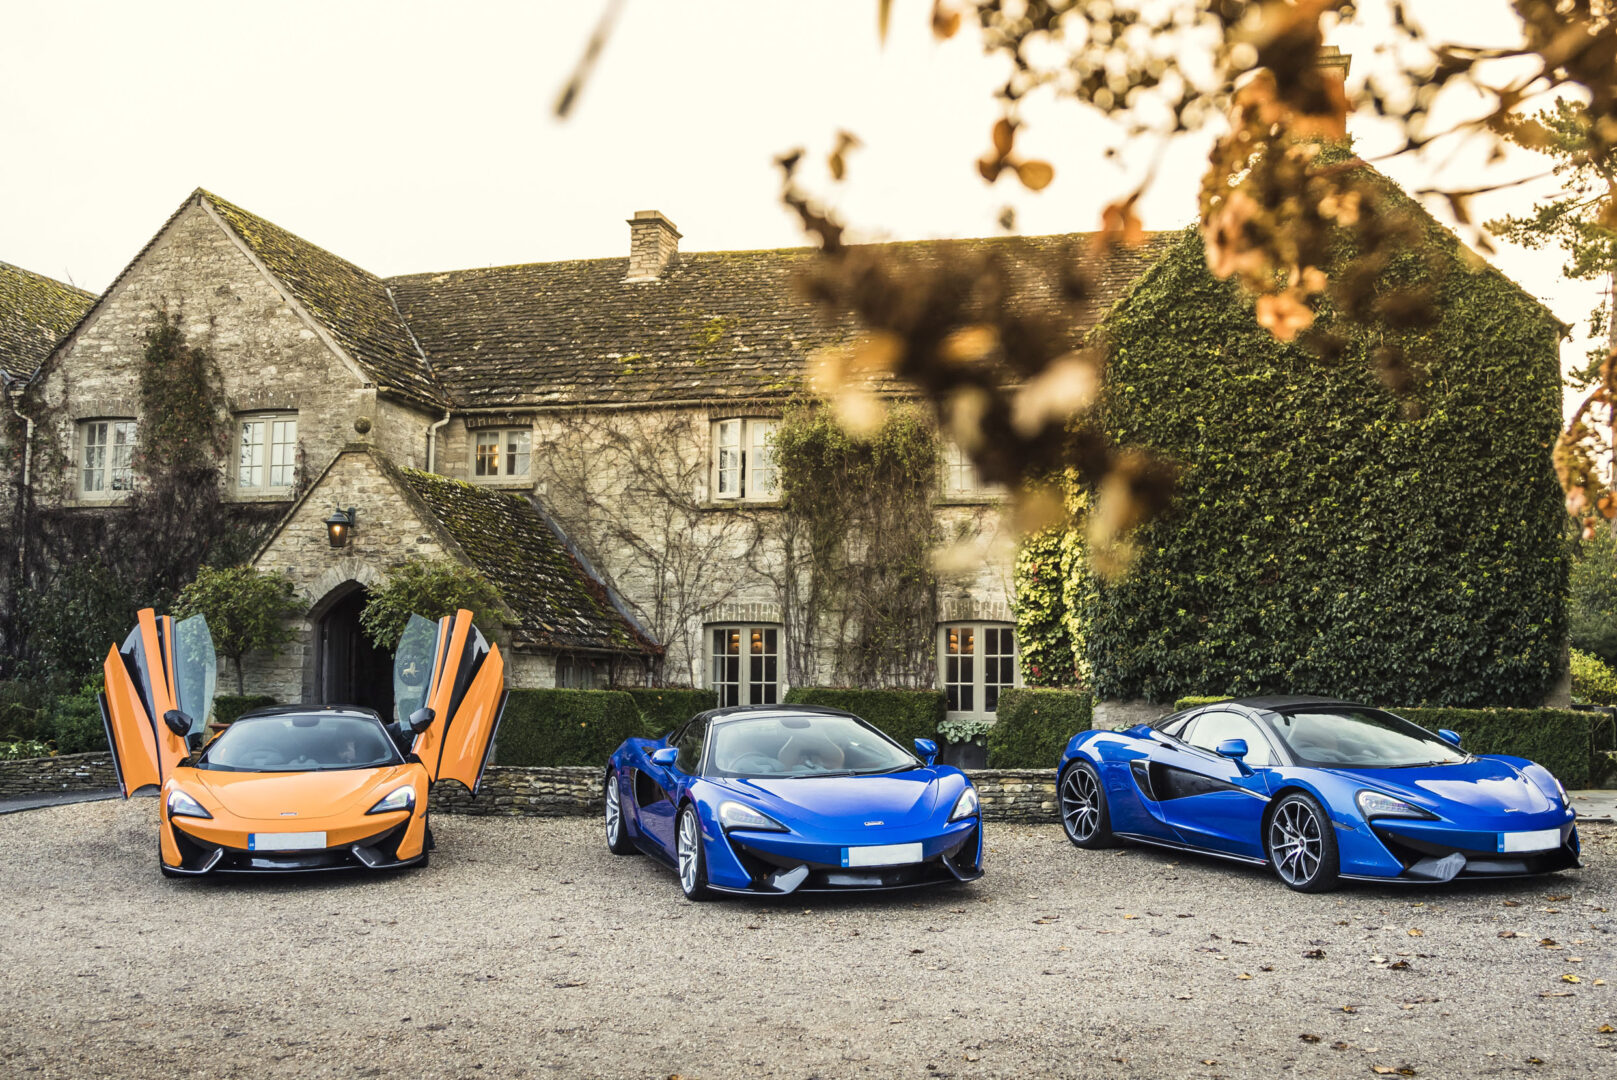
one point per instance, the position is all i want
(68, 772)
(1021, 795)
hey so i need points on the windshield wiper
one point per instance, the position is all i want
(814, 775)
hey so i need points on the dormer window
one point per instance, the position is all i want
(744, 466)
(106, 458)
(502, 454)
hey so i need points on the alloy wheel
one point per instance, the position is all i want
(1080, 804)
(614, 811)
(687, 848)
(1295, 845)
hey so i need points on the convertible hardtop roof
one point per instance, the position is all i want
(730, 712)
(282, 710)
(1289, 702)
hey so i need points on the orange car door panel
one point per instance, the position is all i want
(140, 691)
(465, 691)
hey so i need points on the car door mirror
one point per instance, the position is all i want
(664, 756)
(1232, 748)
(1450, 737)
(178, 722)
(422, 719)
(928, 750)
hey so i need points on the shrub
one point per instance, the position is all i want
(1594, 682)
(24, 748)
(1034, 726)
(74, 724)
(1192, 701)
(1558, 739)
(25, 707)
(565, 727)
(246, 609)
(664, 708)
(431, 588)
(1327, 533)
(905, 715)
(228, 707)
(1592, 603)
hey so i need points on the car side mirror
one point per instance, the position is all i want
(1450, 737)
(178, 722)
(928, 750)
(422, 719)
(665, 756)
(1235, 750)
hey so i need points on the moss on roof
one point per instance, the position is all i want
(557, 603)
(35, 313)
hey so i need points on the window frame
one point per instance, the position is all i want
(504, 455)
(956, 465)
(267, 463)
(1261, 741)
(979, 656)
(108, 446)
(744, 682)
(754, 460)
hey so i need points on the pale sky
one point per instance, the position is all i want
(410, 135)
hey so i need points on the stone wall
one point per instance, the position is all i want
(69, 772)
(1017, 795)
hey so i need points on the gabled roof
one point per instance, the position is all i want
(35, 312)
(354, 305)
(557, 603)
(716, 325)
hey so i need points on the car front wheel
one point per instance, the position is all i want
(617, 834)
(1301, 843)
(692, 857)
(1084, 813)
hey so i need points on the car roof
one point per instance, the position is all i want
(737, 712)
(305, 710)
(1285, 702)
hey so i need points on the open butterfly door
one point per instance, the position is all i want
(164, 665)
(450, 668)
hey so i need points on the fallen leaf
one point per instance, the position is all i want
(1570, 979)
(1507, 933)
(1126, 915)
(1398, 965)
(1209, 1061)
(1548, 943)
(1307, 1038)
(1417, 933)
(1340, 1046)
(1607, 1029)
(1181, 997)
(1554, 899)
(1267, 967)
(1035, 175)
(1511, 903)
(1383, 1070)
(1244, 977)
(1350, 1008)
(1314, 954)
(1556, 993)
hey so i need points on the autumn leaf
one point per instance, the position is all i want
(1035, 175)
(945, 21)
(1308, 1038)
(1004, 135)
(1283, 315)
(1570, 979)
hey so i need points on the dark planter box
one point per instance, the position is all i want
(967, 755)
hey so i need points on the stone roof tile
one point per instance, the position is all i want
(35, 313)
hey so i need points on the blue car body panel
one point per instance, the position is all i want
(1165, 792)
(824, 818)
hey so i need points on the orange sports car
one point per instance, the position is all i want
(298, 787)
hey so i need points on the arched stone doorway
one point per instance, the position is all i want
(349, 669)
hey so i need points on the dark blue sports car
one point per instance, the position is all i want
(1319, 790)
(775, 799)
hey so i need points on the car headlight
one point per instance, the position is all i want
(1373, 804)
(965, 806)
(734, 815)
(398, 799)
(182, 805)
(1562, 789)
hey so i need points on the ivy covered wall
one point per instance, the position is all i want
(1328, 536)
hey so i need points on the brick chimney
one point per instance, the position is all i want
(653, 245)
(1333, 69)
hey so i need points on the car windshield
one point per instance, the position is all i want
(301, 742)
(1361, 739)
(780, 745)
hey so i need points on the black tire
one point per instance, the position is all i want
(423, 862)
(688, 840)
(1085, 816)
(617, 830)
(1300, 841)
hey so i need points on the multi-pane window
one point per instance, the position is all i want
(976, 661)
(744, 664)
(504, 453)
(106, 457)
(575, 674)
(744, 460)
(268, 452)
(960, 477)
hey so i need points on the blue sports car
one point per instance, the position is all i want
(1319, 790)
(775, 799)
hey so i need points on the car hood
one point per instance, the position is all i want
(893, 799)
(1483, 784)
(276, 796)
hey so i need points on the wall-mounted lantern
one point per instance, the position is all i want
(339, 525)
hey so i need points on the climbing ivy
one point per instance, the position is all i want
(183, 421)
(1330, 536)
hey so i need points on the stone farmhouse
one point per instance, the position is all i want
(593, 437)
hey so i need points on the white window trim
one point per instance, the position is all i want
(81, 433)
(501, 456)
(745, 694)
(744, 437)
(978, 657)
(268, 465)
(960, 479)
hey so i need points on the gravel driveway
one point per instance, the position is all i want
(527, 950)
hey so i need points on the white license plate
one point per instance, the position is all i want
(882, 855)
(285, 841)
(1540, 840)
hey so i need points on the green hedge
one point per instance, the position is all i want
(662, 709)
(227, 708)
(1325, 532)
(905, 715)
(1558, 739)
(565, 727)
(1193, 700)
(1593, 680)
(1034, 726)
